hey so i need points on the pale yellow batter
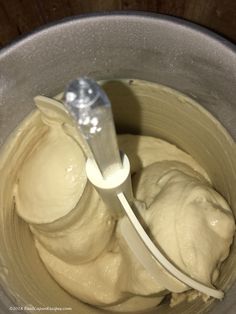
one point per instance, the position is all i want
(79, 242)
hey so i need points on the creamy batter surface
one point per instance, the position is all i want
(80, 243)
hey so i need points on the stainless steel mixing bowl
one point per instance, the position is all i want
(149, 47)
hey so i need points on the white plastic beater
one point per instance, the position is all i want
(109, 172)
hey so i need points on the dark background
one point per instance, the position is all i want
(21, 16)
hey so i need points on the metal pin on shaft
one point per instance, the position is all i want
(91, 110)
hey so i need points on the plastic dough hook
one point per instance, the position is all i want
(109, 172)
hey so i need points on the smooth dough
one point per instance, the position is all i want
(78, 240)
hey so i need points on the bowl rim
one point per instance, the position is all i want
(180, 22)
